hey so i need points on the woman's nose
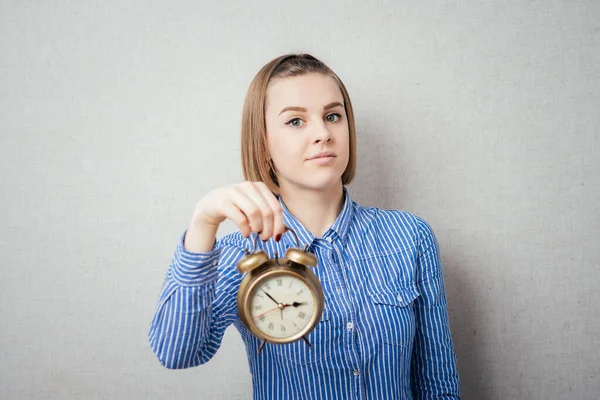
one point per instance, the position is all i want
(322, 133)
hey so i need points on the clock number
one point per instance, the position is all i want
(299, 292)
(279, 282)
(282, 328)
(257, 308)
(267, 286)
(261, 318)
(301, 315)
(271, 326)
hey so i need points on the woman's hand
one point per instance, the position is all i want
(250, 205)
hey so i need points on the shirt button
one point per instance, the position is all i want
(329, 239)
(399, 297)
(350, 325)
(356, 372)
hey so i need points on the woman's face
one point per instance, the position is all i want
(307, 131)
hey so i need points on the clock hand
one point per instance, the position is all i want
(272, 309)
(270, 297)
(266, 312)
(295, 304)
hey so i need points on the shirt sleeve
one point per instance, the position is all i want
(433, 370)
(197, 303)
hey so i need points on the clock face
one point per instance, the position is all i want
(281, 306)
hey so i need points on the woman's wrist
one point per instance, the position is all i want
(200, 236)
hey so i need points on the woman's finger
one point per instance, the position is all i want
(238, 218)
(278, 224)
(248, 208)
(253, 191)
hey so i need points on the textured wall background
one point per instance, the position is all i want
(480, 116)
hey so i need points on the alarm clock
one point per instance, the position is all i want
(280, 299)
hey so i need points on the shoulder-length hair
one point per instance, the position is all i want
(256, 162)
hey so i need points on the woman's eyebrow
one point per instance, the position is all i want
(332, 105)
(302, 109)
(293, 109)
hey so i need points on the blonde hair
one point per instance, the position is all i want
(256, 163)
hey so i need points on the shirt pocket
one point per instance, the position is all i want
(394, 307)
(322, 339)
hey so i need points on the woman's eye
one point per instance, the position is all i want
(296, 122)
(333, 117)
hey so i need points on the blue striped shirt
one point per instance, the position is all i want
(384, 333)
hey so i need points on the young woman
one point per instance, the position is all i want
(384, 332)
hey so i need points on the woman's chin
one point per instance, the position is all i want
(314, 181)
(323, 185)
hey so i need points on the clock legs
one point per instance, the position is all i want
(262, 345)
(307, 342)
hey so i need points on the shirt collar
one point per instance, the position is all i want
(339, 229)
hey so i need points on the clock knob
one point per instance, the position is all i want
(251, 261)
(301, 257)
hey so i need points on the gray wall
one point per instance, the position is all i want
(117, 116)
